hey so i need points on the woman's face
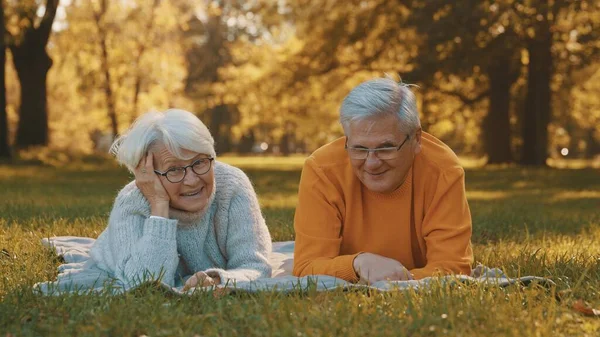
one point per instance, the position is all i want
(192, 194)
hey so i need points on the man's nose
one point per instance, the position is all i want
(372, 160)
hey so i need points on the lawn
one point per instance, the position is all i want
(543, 222)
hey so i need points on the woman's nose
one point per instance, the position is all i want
(190, 178)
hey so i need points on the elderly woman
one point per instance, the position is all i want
(187, 218)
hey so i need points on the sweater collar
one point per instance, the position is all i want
(400, 191)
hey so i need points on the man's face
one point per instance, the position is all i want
(382, 176)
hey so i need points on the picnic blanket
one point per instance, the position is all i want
(80, 274)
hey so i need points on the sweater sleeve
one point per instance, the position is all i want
(318, 226)
(248, 240)
(447, 228)
(142, 248)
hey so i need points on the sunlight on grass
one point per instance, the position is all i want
(487, 195)
(570, 195)
(526, 222)
(294, 162)
(573, 163)
(278, 200)
(469, 162)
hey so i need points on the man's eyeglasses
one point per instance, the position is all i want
(383, 153)
(177, 174)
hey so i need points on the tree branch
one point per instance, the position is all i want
(45, 26)
(466, 100)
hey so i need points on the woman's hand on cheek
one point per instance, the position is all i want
(151, 187)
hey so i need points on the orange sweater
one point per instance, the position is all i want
(337, 217)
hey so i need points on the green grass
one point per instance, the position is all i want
(527, 221)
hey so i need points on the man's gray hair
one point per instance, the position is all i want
(381, 96)
(174, 128)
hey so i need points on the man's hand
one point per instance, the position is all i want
(372, 268)
(151, 187)
(201, 279)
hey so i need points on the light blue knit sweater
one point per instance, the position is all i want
(229, 239)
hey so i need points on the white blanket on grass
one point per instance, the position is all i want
(80, 274)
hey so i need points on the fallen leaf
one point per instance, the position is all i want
(582, 307)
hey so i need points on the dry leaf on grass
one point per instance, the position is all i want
(581, 307)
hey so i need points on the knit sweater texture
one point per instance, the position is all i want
(229, 239)
(425, 224)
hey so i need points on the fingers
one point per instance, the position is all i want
(142, 166)
(198, 279)
(401, 274)
(149, 162)
(405, 275)
(208, 281)
(190, 283)
(373, 268)
(392, 273)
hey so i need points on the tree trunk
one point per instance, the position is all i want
(108, 92)
(32, 64)
(137, 86)
(220, 127)
(592, 148)
(4, 142)
(110, 100)
(496, 125)
(537, 102)
(246, 142)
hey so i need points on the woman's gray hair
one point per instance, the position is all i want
(381, 96)
(174, 128)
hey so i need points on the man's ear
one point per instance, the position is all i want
(418, 141)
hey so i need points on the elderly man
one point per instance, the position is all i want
(385, 202)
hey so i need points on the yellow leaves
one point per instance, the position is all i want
(442, 128)
(138, 53)
(442, 12)
(497, 29)
(524, 56)
(166, 16)
(214, 9)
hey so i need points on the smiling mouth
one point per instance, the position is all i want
(192, 193)
(376, 174)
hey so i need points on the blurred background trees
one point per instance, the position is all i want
(516, 81)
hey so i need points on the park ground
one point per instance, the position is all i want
(527, 221)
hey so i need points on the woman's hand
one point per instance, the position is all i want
(201, 279)
(151, 187)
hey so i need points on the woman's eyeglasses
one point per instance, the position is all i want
(177, 174)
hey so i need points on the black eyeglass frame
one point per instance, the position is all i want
(184, 168)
